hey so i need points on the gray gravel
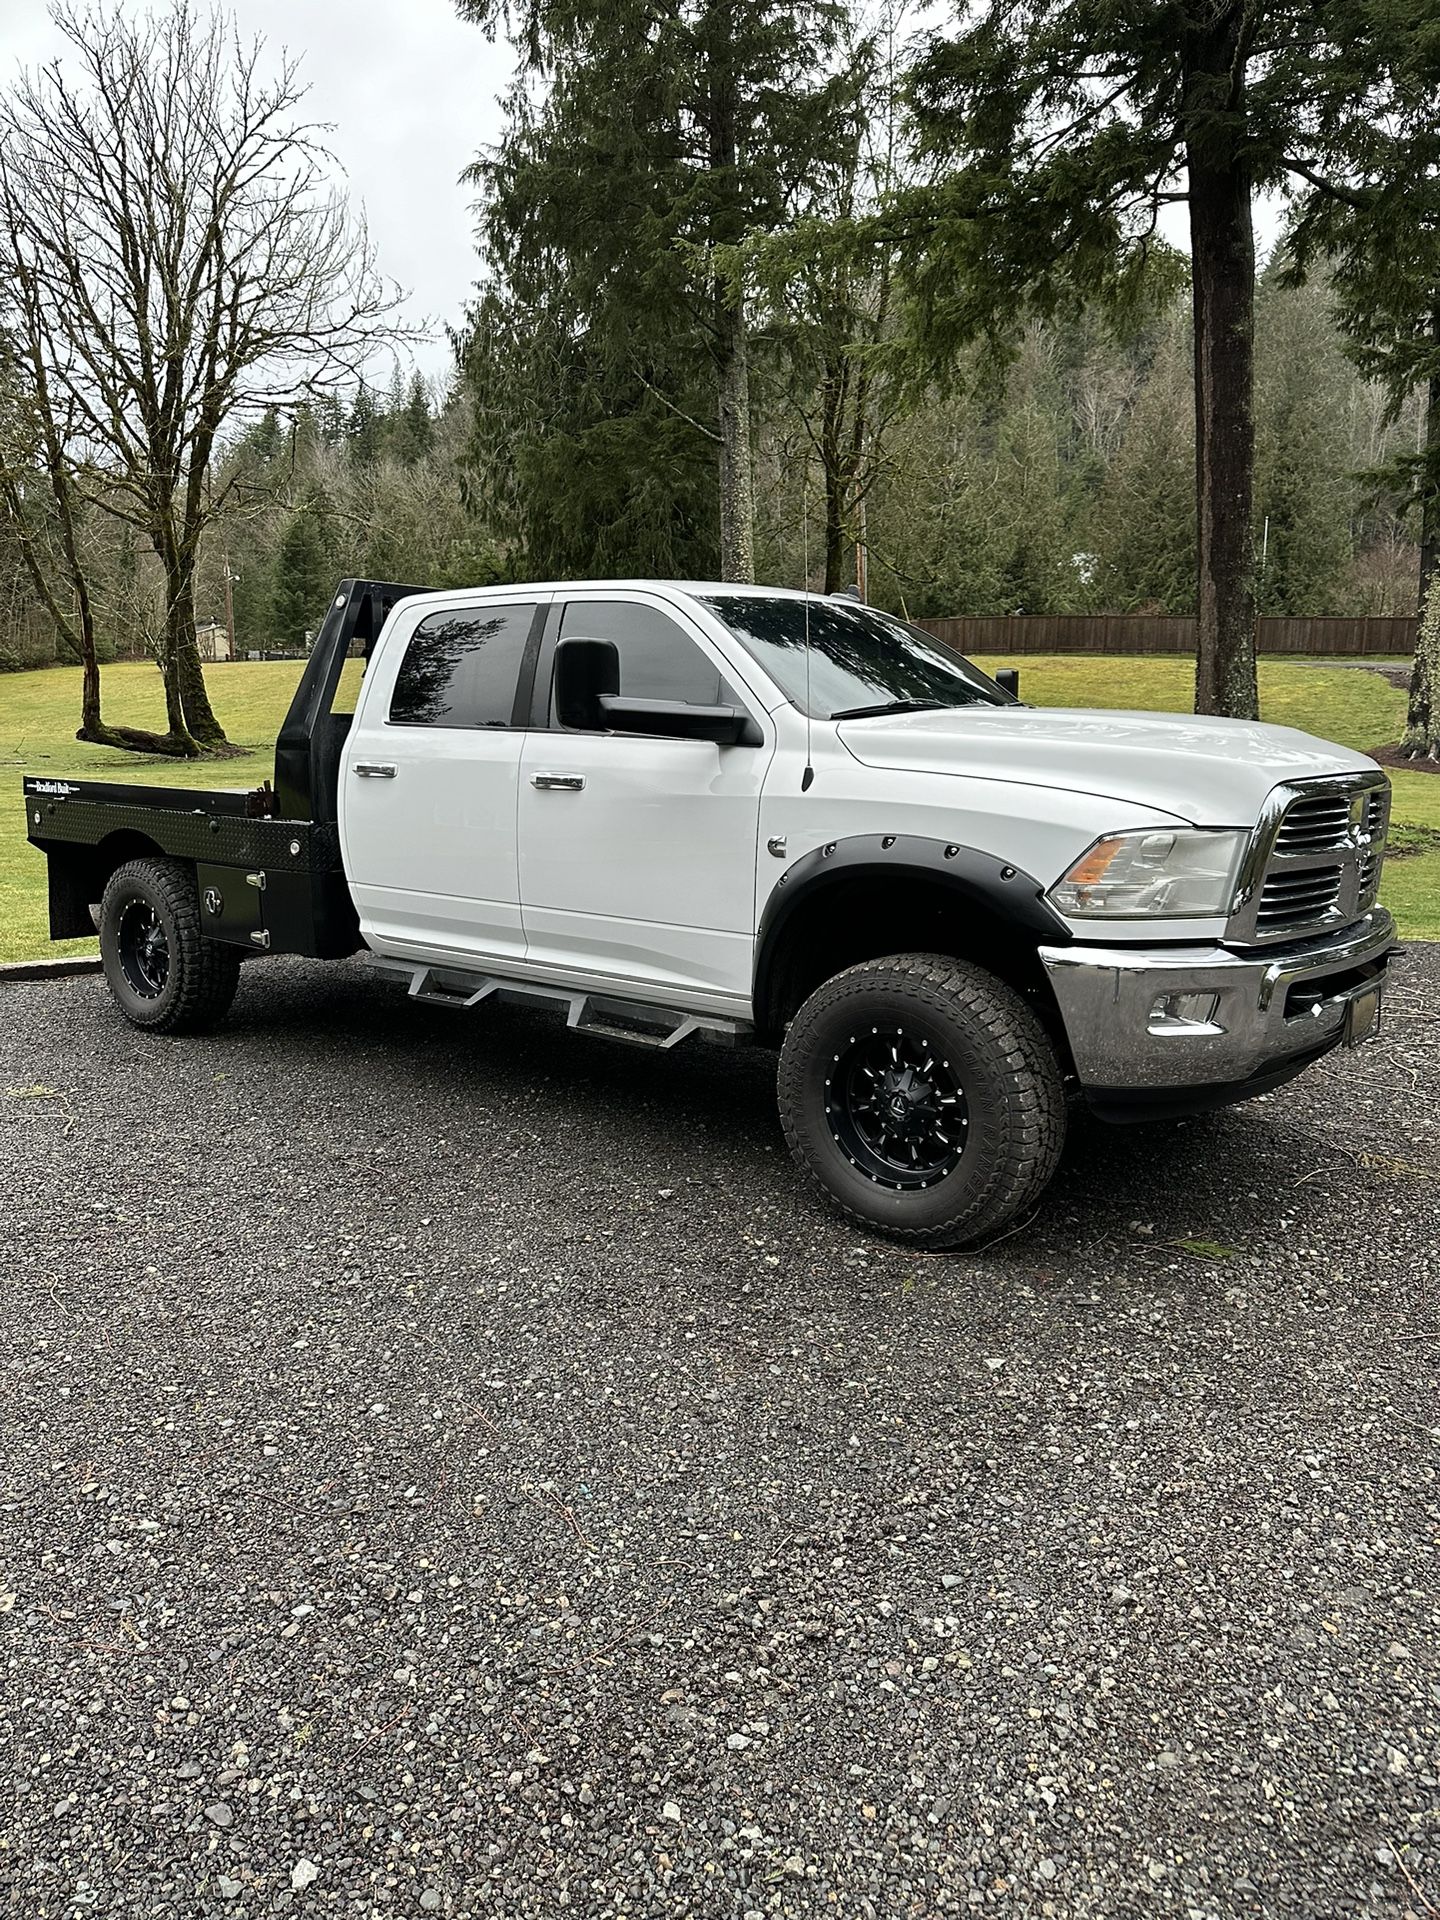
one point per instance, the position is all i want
(448, 1466)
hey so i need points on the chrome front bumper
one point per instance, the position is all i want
(1147, 1019)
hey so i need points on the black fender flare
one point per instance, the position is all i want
(1001, 888)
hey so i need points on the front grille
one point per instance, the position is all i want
(1315, 825)
(1315, 860)
(1294, 899)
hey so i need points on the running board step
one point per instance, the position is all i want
(608, 1016)
(668, 1031)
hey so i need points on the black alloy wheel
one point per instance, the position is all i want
(144, 949)
(924, 1097)
(163, 972)
(896, 1108)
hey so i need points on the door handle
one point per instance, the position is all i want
(566, 782)
(375, 770)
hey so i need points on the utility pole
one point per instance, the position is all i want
(1264, 557)
(229, 604)
(862, 556)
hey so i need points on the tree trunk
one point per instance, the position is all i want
(169, 660)
(170, 675)
(186, 701)
(834, 535)
(90, 721)
(1422, 719)
(1222, 252)
(836, 478)
(199, 714)
(92, 727)
(174, 744)
(1215, 49)
(737, 487)
(185, 652)
(732, 360)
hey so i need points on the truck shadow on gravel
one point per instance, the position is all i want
(707, 1114)
(1208, 1182)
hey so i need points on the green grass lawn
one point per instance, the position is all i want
(39, 711)
(38, 716)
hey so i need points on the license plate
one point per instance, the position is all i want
(1362, 1018)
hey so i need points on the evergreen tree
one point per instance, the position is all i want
(1041, 484)
(1144, 519)
(1381, 240)
(253, 596)
(412, 429)
(1064, 127)
(365, 428)
(583, 355)
(328, 411)
(935, 546)
(976, 513)
(828, 300)
(1303, 490)
(611, 213)
(264, 441)
(304, 571)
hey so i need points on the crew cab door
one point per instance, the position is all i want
(429, 780)
(637, 854)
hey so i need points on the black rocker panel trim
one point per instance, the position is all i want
(1014, 896)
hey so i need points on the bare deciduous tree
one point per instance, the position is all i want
(171, 256)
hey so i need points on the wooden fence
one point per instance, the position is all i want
(1143, 633)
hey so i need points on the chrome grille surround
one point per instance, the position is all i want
(1314, 860)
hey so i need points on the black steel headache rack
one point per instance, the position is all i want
(307, 749)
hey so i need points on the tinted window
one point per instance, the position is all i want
(859, 657)
(460, 668)
(657, 660)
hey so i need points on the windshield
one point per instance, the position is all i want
(862, 661)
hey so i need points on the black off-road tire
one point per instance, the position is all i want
(180, 982)
(998, 1064)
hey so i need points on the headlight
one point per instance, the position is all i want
(1188, 874)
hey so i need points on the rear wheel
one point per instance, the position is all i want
(923, 1095)
(163, 974)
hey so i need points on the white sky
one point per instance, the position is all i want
(411, 92)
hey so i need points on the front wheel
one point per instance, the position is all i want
(163, 974)
(923, 1095)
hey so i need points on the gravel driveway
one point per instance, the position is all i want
(449, 1466)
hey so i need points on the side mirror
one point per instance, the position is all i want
(1008, 681)
(586, 672)
(676, 720)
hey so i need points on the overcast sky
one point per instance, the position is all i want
(412, 95)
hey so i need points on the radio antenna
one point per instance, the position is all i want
(807, 779)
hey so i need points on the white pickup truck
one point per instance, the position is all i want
(752, 815)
